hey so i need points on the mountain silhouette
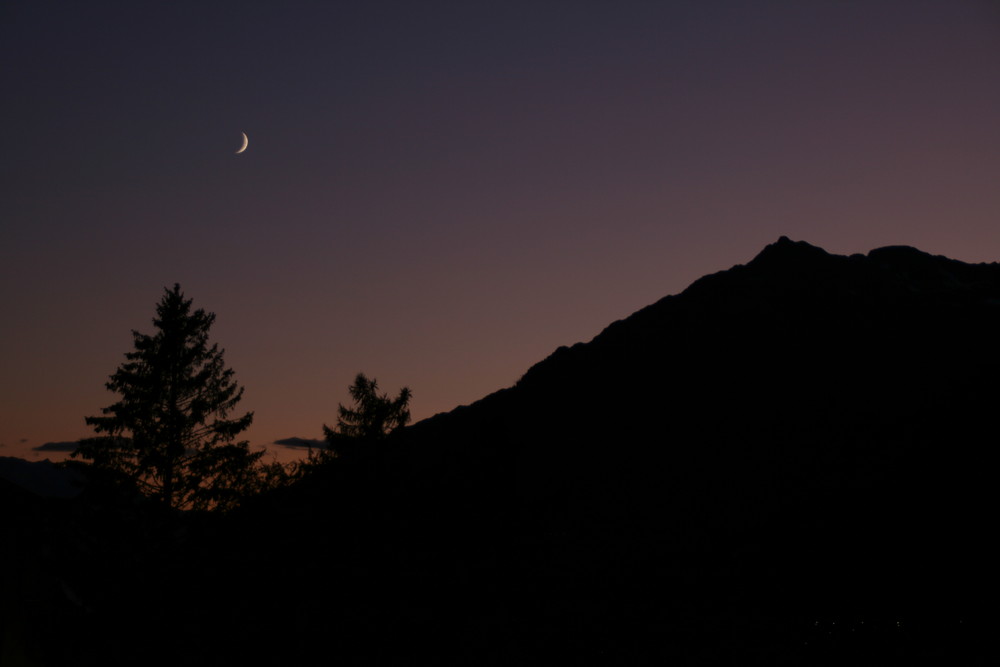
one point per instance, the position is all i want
(806, 435)
(799, 369)
(41, 478)
(790, 462)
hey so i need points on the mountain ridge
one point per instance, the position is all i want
(895, 265)
(789, 462)
(804, 412)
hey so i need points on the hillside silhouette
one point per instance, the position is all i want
(805, 435)
(790, 462)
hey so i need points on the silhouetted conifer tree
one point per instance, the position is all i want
(170, 434)
(373, 417)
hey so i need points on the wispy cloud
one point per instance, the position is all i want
(57, 447)
(300, 443)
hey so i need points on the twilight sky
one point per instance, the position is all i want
(439, 194)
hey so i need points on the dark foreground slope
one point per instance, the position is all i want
(791, 462)
(807, 438)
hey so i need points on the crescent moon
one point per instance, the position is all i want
(245, 142)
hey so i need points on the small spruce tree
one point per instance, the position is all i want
(170, 434)
(373, 417)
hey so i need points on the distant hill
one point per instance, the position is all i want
(40, 478)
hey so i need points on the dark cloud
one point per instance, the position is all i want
(300, 443)
(57, 447)
(23, 440)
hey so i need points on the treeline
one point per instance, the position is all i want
(173, 434)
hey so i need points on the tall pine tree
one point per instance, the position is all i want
(170, 433)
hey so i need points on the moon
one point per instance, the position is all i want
(245, 142)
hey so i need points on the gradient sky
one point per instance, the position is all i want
(439, 194)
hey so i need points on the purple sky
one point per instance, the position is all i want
(440, 194)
